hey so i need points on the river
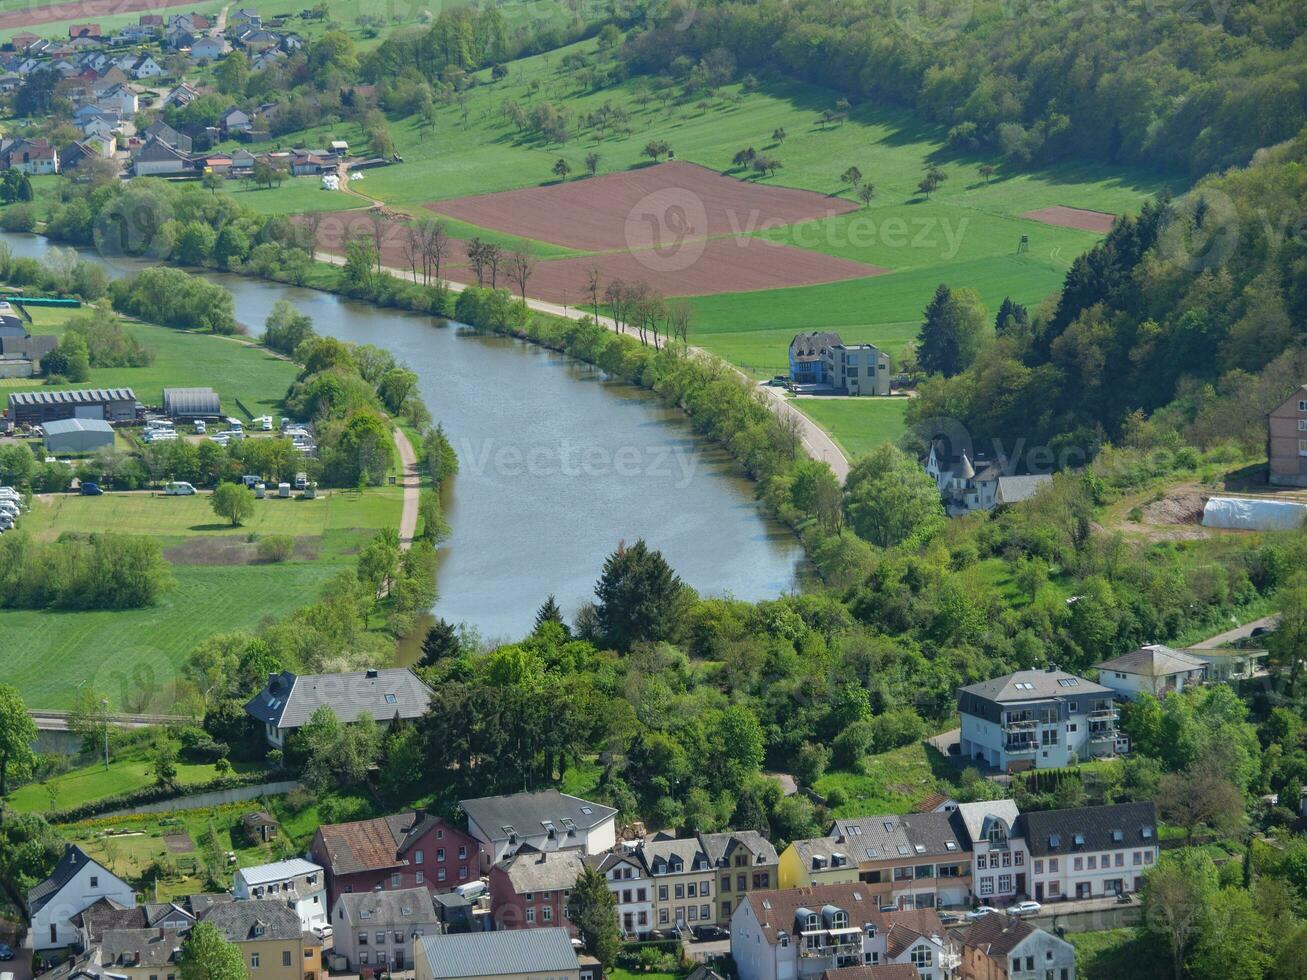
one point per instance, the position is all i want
(557, 466)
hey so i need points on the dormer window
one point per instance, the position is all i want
(1054, 841)
(1079, 840)
(1148, 833)
(1118, 836)
(812, 921)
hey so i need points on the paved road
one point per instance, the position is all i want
(411, 482)
(1239, 633)
(816, 442)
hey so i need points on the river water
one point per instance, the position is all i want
(557, 466)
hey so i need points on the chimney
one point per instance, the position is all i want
(274, 682)
(371, 673)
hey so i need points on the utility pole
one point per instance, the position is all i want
(104, 705)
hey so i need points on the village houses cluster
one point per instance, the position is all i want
(944, 891)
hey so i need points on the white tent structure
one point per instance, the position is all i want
(1247, 514)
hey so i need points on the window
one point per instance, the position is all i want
(1148, 857)
(1030, 962)
(1052, 866)
(417, 856)
(440, 854)
(286, 958)
(692, 890)
(531, 914)
(95, 881)
(726, 883)
(395, 879)
(1093, 862)
(741, 882)
(694, 913)
(1302, 425)
(1016, 964)
(923, 957)
(726, 910)
(462, 852)
(705, 912)
(1079, 864)
(1118, 860)
(1039, 867)
(254, 960)
(1302, 406)
(420, 878)
(1005, 883)
(440, 874)
(363, 957)
(547, 913)
(762, 879)
(662, 917)
(662, 893)
(381, 937)
(1019, 858)
(987, 886)
(705, 888)
(1054, 889)
(440, 834)
(390, 699)
(363, 938)
(680, 891)
(462, 872)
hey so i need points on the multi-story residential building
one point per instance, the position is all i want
(300, 884)
(545, 821)
(378, 928)
(76, 883)
(856, 369)
(1004, 947)
(745, 861)
(530, 889)
(682, 876)
(1037, 719)
(632, 888)
(125, 954)
(1152, 669)
(808, 356)
(399, 851)
(542, 953)
(800, 933)
(1000, 863)
(1090, 851)
(917, 861)
(288, 700)
(818, 861)
(270, 938)
(1286, 441)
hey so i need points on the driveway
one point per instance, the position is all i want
(1238, 633)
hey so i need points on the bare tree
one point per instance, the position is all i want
(476, 256)
(637, 299)
(380, 224)
(412, 245)
(520, 268)
(435, 246)
(679, 315)
(494, 256)
(592, 284)
(615, 295)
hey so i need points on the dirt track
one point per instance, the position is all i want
(1081, 218)
(642, 208)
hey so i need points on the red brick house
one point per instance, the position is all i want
(530, 889)
(404, 850)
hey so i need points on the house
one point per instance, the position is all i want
(886, 971)
(77, 435)
(1004, 947)
(1151, 669)
(912, 861)
(100, 125)
(180, 95)
(817, 861)
(24, 40)
(234, 120)
(682, 876)
(164, 132)
(628, 880)
(299, 884)
(38, 407)
(175, 916)
(84, 30)
(156, 158)
(403, 850)
(20, 351)
(807, 356)
(378, 928)
(31, 156)
(1090, 851)
(1037, 719)
(125, 954)
(856, 369)
(259, 827)
(456, 913)
(208, 48)
(745, 861)
(513, 955)
(999, 860)
(1229, 663)
(1014, 489)
(800, 933)
(530, 889)
(546, 821)
(145, 67)
(120, 99)
(271, 940)
(935, 802)
(1286, 441)
(307, 163)
(288, 701)
(77, 882)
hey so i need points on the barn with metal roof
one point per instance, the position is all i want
(191, 403)
(36, 407)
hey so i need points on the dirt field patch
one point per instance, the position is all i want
(87, 10)
(179, 843)
(230, 551)
(1184, 508)
(1081, 218)
(651, 207)
(719, 265)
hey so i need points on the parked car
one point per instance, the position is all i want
(178, 488)
(950, 918)
(200, 427)
(1024, 908)
(91, 490)
(707, 934)
(6, 952)
(980, 911)
(1261, 630)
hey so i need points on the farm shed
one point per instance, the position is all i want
(1241, 513)
(77, 435)
(191, 403)
(39, 407)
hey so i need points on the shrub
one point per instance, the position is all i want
(276, 548)
(18, 217)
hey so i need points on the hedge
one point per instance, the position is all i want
(159, 794)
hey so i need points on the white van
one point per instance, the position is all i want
(178, 488)
(200, 427)
(472, 890)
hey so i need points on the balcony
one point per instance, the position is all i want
(833, 949)
(1104, 713)
(1103, 734)
(1021, 748)
(1020, 725)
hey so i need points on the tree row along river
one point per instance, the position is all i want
(557, 465)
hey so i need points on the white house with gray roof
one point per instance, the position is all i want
(533, 954)
(1037, 719)
(1000, 868)
(379, 928)
(1152, 669)
(77, 882)
(288, 700)
(300, 884)
(546, 821)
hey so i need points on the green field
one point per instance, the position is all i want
(1118, 954)
(859, 425)
(892, 782)
(232, 367)
(966, 235)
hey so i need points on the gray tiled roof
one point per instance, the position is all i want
(255, 919)
(490, 954)
(539, 871)
(823, 847)
(1153, 660)
(1054, 832)
(975, 816)
(1043, 684)
(660, 856)
(873, 838)
(74, 860)
(1012, 489)
(387, 909)
(156, 947)
(934, 834)
(289, 700)
(524, 812)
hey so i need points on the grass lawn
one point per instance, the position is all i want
(234, 368)
(859, 425)
(1118, 954)
(94, 782)
(892, 782)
